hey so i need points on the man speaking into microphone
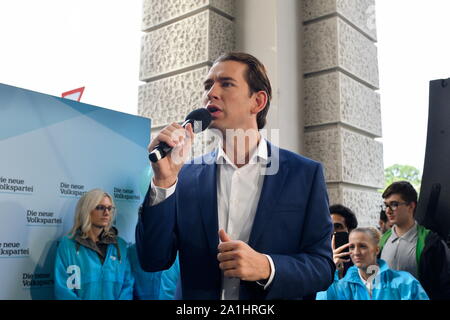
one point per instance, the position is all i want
(241, 232)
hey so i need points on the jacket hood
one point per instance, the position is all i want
(107, 238)
(104, 238)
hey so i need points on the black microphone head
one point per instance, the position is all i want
(200, 119)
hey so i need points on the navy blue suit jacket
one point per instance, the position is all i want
(292, 225)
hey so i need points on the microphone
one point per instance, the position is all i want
(196, 118)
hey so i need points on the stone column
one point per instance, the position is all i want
(182, 38)
(341, 103)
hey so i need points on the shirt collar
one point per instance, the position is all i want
(259, 155)
(409, 236)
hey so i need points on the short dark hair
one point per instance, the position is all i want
(256, 77)
(349, 216)
(404, 189)
(383, 216)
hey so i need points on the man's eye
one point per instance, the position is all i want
(227, 84)
(394, 204)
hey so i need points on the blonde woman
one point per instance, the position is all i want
(370, 278)
(92, 262)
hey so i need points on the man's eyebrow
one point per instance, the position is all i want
(226, 79)
(220, 79)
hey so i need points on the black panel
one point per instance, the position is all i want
(433, 209)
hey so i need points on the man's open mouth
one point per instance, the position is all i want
(213, 110)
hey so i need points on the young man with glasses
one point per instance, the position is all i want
(411, 247)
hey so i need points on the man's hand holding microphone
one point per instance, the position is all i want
(172, 146)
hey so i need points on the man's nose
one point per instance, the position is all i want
(213, 92)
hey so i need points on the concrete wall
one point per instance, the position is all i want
(341, 103)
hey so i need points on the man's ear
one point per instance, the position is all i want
(413, 207)
(261, 99)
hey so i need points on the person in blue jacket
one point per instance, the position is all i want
(146, 284)
(170, 282)
(92, 262)
(369, 278)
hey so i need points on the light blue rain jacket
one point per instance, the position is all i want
(147, 284)
(80, 274)
(388, 285)
(170, 282)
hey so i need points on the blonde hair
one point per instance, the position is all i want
(85, 205)
(373, 234)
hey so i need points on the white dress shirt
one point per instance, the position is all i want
(238, 192)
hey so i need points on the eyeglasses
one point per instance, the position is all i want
(393, 205)
(103, 208)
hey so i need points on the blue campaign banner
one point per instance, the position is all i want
(52, 150)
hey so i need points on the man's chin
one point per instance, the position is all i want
(392, 221)
(215, 126)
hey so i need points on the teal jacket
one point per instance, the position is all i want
(79, 273)
(389, 285)
(147, 284)
(170, 280)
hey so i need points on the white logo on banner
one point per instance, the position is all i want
(74, 281)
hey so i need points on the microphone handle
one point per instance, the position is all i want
(162, 149)
(159, 152)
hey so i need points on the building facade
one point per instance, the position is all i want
(321, 57)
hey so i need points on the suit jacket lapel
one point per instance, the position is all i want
(207, 186)
(270, 193)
